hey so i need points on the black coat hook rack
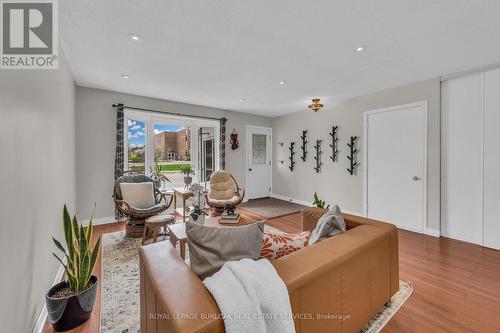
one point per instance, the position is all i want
(303, 146)
(318, 156)
(333, 145)
(292, 153)
(352, 155)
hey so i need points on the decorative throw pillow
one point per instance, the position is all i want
(330, 224)
(211, 247)
(276, 245)
(138, 195)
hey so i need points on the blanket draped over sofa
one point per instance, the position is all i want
(252, 297)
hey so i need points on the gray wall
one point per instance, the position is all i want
(37, 177)
(334, 184)
(95, 142)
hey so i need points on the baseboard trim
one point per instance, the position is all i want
(100, 220)
(42, 317)
(308, 203)
(432, 232)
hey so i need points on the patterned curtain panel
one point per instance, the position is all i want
(119, 158)
(222, 148)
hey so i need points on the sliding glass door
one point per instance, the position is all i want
(169, 142)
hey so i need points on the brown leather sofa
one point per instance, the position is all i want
(335, 285)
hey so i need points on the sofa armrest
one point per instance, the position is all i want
(173, 298)
(310, 217)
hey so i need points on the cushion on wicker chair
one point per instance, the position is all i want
(131, 177)
(222, 186)
(138, 195)
(151, 210)
(233, 201)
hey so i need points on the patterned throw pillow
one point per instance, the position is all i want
(276, 245)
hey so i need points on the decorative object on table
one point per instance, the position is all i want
(70, 303)
(317, 147)
(137, 215)
(316, 105)
(159, 178)
(333, 145)
(292, 153)
(223, 190)
(352, 155)
(319, 203)
(197, 201)
(229, 215)
(234, 140)
(187, 171)
(304, 145)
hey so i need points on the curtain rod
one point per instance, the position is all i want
(167, 112)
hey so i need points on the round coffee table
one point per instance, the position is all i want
(154, 223)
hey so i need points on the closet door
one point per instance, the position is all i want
(461, 163)
(491, 234)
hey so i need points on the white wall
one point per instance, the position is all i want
(95, 142)
(334, 184)
(37, 177)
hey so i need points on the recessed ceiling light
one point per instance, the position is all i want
(135, 37)
(124, 76)
(360, 48)
(282, 83)
(241, 100)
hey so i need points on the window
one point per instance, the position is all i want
(171, 141)
(136, 145)
(259, 148)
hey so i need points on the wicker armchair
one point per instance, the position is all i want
(136, 216)
(223, 190)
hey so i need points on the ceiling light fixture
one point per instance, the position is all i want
(135, 37)
(360, 48)
(282, 83)
(241, 100)
(124, 76)
(315, 106)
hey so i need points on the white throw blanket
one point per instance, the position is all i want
(252, 297)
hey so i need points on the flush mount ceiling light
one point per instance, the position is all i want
(135, 37)
(360, 48)
(315, 106)
(241, 100)
(282, 83)
(124, 76)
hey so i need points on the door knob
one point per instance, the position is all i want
(415, 178)
(249, 169)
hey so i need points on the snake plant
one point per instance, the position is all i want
(79, 254)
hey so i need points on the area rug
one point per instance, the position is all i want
(120, 301)
(271, 207)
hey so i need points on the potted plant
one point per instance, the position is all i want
(158, 177)
(318, 202)
(197, 200)
(187, 170)
(70, 303)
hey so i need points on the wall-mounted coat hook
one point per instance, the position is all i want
(281, 144)
(292, 153)
(303, 146)
(317, 147)
(281, 161)
(333, 145)
(352, 155)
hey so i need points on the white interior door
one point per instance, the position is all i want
(259, 155)
(395, 141)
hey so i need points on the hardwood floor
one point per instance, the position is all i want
(456, 284)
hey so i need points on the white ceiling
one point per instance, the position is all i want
(214, 52)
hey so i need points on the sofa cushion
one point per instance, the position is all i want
(278, 244)
(330, 224)
(211, 247)
(138, 195)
